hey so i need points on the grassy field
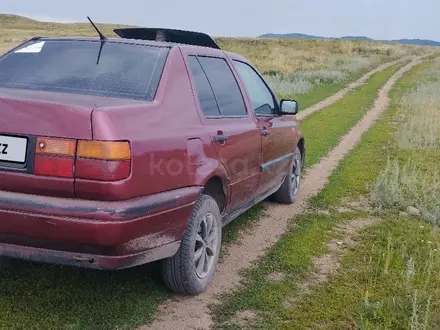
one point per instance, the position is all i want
(34, 296)
(308, 70)
(324, 128)
(383, 276)
(339, 118)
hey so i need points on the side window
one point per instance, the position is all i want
(225, 87)
(207, 99)
(262, 99)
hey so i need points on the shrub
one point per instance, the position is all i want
(409, 185)
(420, 111)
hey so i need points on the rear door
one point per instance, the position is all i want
(234, 132)
(277, 132)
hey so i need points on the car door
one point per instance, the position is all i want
(234, 132)
(277, 132)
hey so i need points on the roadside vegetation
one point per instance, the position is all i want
(304, 85)
(356, 260)
(411, 179)
(323, 130)
(310, 70)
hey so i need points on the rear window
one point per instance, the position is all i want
(123, 71)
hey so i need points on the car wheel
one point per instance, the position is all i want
(192, 268)
(290, 187)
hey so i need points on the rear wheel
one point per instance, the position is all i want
(290, 187)
(192, 268)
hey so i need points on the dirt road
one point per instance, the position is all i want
(193, 312)
(339, 95)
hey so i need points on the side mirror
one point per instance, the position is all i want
(288, 107)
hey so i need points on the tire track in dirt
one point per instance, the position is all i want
(183, 312)
(328, 264)
(343, 92)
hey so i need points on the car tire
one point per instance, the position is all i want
(192, 268)
(290, 187)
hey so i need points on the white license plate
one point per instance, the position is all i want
(13, 149)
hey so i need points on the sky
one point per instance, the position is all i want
(378, 19)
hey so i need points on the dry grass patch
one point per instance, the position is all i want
(245, 319)
(269, 55)
(411, 178)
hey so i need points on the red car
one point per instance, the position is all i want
(119, 152)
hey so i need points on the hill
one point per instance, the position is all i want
(269, 55)
(418, 42)
(290, 36)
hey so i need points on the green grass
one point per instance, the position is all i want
(374, 288)
(292, 257)
(324, 129)
(321, 92)
(389, 280)
(371, 290)
(411, 177)
(338, 119)
(34, 296)
(357, 172)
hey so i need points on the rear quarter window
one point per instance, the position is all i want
(119, 70)
(224, 86)
(207, 100)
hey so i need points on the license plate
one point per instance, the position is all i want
(13, 149)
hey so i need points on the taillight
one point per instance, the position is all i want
(54, 157)
(94, 160)
(103, 160)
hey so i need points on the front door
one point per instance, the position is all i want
(234, 132)
(277, 132)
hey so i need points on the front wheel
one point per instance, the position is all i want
(192, 268)
(290, 187)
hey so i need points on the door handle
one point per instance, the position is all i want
(265, 132)
(220, 138)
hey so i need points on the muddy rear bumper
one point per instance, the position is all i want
(103, 235)
(88, 260)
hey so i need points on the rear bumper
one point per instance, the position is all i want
(88, 260)
(104, 235)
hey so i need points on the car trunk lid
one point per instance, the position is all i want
(45, 114)
(27, 115)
